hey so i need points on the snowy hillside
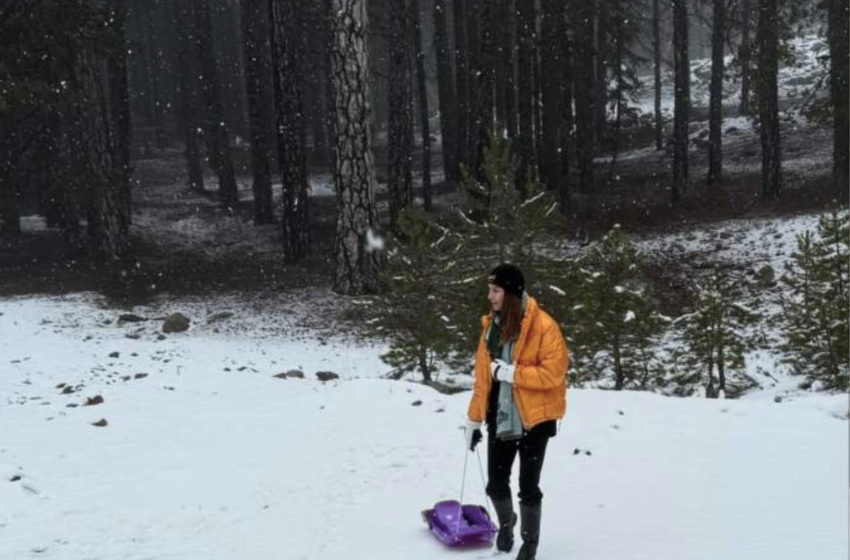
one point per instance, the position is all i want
(211, 457)
(796, 80)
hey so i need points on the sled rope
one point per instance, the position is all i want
(484, 485)
(463, 487)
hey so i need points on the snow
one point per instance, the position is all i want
(795, 80)
(199, 462)
(374, 242)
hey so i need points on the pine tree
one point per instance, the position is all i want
(615, 320)
(499, 224)
(815, 309)
(714, 335)
(418, 264)
(503, 218)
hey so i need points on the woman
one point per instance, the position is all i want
(520, 391)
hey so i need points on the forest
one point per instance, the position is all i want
(245, 255)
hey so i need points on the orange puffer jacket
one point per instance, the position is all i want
(540, 378)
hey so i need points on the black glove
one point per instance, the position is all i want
(473, 434)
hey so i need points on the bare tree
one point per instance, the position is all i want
(656, 58)
(552, 25)
(422, 97)
(448, 97)
(188, 93)
(744, 56)
(767, 38)
(682, 98)
(295, 219)
(460, 8)
(585, 93)
(715, 108)
(215, 132)
(256, 50)
(839, 45)
(526, 26)
(400, 133)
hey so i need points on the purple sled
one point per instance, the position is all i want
(457, 525)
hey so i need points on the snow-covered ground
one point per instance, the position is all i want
(211, 457)
(796, 79)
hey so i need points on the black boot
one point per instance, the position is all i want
(530, 531)
(507, 521)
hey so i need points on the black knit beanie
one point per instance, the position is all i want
(509, 278)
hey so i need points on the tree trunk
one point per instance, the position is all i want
(715, 107)
(448, 96)
(682, 99)
(329, 35)
(295, 203)
(422, 96)
(502, 66)
(710, 391)
(356, 261)
(462, 80)
(537, 114)
(602, 41)
(656, 57)
(423, 364)
(10, 219)
(507, 62)
(319, 105)
(526, 21)
(744, 56)
(483, 84)
(120, 106)
(154, 59)
(768, 70)
(839, 45)
(619, 98)
(96, 169)
(585, 94)
(215, 131)
(256, 51)
(400, 133)
(473, 66)
(189, 93)
(721, 372)
(551, 89)
(566, 117)
(619, 375)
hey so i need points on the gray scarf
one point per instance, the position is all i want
(508, 422)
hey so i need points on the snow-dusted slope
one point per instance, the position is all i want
(198, 462)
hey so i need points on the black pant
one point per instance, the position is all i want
(500, 460)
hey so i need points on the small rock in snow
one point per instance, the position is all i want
(95, 400)
(326, 375)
